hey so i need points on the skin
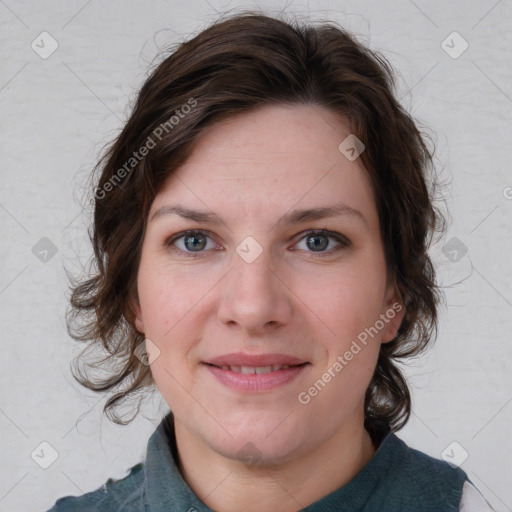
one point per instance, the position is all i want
(293, 299)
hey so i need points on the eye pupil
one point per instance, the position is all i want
(194, 246)
(318, 245)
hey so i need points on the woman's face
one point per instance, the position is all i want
(253, 290)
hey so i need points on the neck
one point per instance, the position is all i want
(228, 485)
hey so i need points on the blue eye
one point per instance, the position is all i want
(320, 239)
(195, 241)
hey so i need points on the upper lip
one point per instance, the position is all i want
(255, 360)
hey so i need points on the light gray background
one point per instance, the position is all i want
(56, 114)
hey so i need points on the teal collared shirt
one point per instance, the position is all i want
(397, 478)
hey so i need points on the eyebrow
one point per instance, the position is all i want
(293, 217)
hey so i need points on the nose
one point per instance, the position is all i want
(255, 298)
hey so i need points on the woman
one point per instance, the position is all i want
(261, 232)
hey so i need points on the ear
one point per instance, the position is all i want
(133, 302)
(393, 313)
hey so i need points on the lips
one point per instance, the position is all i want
(248, 370)
(255, 360)
(255, 373)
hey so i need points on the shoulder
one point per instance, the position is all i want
(417, 481)
(421, 467)
(125, 495)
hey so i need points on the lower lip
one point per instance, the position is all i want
(255, 382)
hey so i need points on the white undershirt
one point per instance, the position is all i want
(472, 500)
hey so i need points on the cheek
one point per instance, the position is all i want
(170, 303)
(348, 301)
(167, 306)
(166, 297)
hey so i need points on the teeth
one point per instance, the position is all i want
(263, 369)
(247, 370)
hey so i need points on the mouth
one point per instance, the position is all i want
(256, 370)
(255, 373)
(239, 359)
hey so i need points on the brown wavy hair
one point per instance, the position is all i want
(236, 65)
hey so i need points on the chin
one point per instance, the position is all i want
(260, 455)
(255, 447)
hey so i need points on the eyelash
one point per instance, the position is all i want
(342, 240)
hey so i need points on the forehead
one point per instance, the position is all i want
(268, 161)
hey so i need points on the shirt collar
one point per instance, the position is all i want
(166, 490)
(164, 487)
